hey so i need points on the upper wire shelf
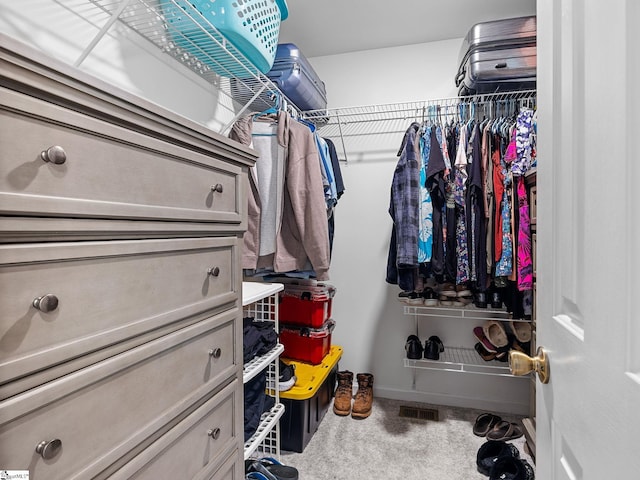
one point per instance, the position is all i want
(393, 117)
(199, 51)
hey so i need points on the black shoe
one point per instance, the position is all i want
(430, 298)
(480, 300)
(287, 377)
(413, 347)
(433, 347)
(491, 451)
(496, 299)
(511, 468)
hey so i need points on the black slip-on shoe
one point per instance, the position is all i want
(433, 347)
(413, 347)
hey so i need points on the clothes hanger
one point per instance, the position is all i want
(273, 109)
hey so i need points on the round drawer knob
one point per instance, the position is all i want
(217, 188)
(54, 154)
(214, 271)
(214, 433)
(49, 449)
(46, 303)
(215, 352)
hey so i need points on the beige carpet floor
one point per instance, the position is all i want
(386, 446)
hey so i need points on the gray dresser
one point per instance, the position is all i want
(120, 282)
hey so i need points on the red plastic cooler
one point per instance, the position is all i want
(306, 344)
(306, 305)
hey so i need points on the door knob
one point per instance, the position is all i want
(522, 364)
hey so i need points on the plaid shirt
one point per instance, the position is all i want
(404, 207)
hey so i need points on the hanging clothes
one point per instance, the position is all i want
(459, 194)
(522, 164)
(333, 155)
(488, 199)
(425, 232)
(504, 266)
(436, 172)
(404, 208)
(476, 226)
(450, 268)
(302, 238)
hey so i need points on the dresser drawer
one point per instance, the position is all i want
(109, 411)
(107, 292)
(108, 171)
(196, 444)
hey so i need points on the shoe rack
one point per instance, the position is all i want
(260, 301)
(455, 358)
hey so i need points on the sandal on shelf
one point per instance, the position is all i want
(485, 423)
(521, 330)
(495, 333)
(485, 354)
(505, 431)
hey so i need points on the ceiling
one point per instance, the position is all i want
(329, 27)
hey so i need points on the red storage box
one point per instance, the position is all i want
(305, 305)
(306, 344)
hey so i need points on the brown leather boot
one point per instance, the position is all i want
(344, 393)
(364, 396)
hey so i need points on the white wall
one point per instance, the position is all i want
(370, 323)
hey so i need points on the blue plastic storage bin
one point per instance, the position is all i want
(251, 26)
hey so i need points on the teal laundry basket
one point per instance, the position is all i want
(202, 29)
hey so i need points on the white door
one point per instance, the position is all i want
(588, 416)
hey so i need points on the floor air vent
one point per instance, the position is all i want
(419, 413)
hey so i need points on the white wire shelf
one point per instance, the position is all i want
(395, 117)
(468, 312)
(457, 359)
(258, 364)
(199, 50)
(268, 428)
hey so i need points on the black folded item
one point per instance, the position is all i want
(256, 402)
(258, 338)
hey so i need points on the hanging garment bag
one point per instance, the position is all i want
(296, 78)
(498, 56)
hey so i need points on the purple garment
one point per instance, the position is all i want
(525, 261)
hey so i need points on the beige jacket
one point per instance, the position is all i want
(303, 234)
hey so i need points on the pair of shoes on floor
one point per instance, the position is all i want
(268, 468)
(287, 378)
(501, 461)
(362, 403)
(494, 428)
(433, 347)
